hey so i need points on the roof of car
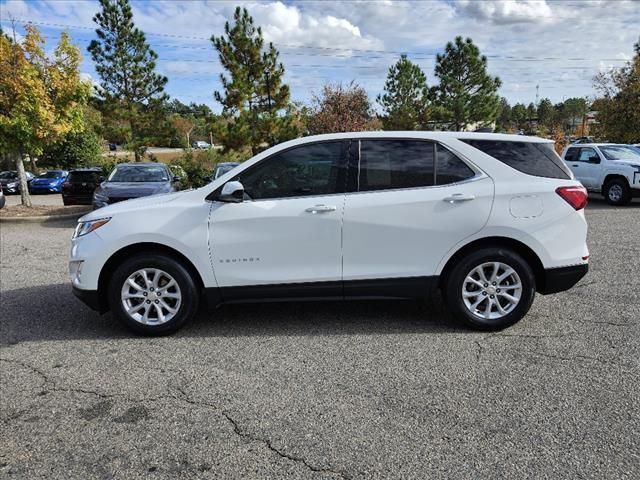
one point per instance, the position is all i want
(141, 164)
(600, 145)
(86, 169)
(505, 137)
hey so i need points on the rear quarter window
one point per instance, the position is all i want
(537, 159)
(83, 177)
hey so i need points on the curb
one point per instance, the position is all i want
(42, 218)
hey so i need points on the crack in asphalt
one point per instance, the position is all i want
(481, 348)
(49, 386)
(269, 445)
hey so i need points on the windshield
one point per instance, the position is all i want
(620, 152)
(50, 175)
(83, 176)
(139, 173)
(8, 175)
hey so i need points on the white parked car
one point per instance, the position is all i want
(610, 169)
(489, 219)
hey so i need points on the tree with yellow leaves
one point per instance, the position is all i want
(41, 98)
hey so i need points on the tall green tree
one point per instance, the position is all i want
(41, 97)
(619, 107)
(519, 115)
(126, 65)
(405, 100)
(504, 116)
(254, 92)
(546, 114)
(467, 94)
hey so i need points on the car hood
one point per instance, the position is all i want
(6, 181)
(133, 204)
(628, 163)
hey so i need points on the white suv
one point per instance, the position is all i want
(606, 168)
(489, 219)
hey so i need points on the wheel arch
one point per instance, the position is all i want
(145, 247)
(495, 241)
(613, 176)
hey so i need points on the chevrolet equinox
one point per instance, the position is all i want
(488, 219)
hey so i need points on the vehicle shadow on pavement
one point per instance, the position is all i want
(51, 312)
(599, 203)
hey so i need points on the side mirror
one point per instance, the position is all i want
(176, 178)
(232, 192)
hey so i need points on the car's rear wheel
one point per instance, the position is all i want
(153, 294)
(617, 192)
(490, 289)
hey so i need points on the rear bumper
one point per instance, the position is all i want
(77, 199)
(90, 298)
(563, 278)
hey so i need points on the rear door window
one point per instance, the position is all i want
(571, 154)
(395, 163)
(586, 154)
(532, 158)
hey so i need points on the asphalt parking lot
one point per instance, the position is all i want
(321, 390)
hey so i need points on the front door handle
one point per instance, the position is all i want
(459, 197)
(321, 209)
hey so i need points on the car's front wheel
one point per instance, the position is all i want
(617, 192)
(490, 289)
(153, 294)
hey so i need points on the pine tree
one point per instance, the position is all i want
(254, 93)
(406, 97)
(466, 94)
(126, 65)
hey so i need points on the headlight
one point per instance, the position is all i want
(87, 227)
(100, 197)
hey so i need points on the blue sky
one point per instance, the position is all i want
(558, 45)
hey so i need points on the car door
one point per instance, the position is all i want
(585, 165)
(288, 229)
(415, 200)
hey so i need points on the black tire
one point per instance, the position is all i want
(187, 285)
(454, 282)
(617, 192)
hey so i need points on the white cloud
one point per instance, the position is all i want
(508, 11)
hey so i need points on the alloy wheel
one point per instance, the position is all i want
(491, 290)
(151, 296)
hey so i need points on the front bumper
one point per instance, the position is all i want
(563, 278)
(90, 298)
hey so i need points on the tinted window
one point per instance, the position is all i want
(83, 177)
(386, 164)
(571, 154)
(450, 169)
(316, 169)
(537, 159)
(139, 173)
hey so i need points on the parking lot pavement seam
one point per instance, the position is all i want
(269, 445)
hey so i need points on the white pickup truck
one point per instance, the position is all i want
(610, 169)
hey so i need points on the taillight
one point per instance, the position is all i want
(577, 197)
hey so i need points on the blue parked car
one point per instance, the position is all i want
(48, 182)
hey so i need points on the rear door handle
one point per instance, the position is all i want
(459, 197)
(321, 209)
